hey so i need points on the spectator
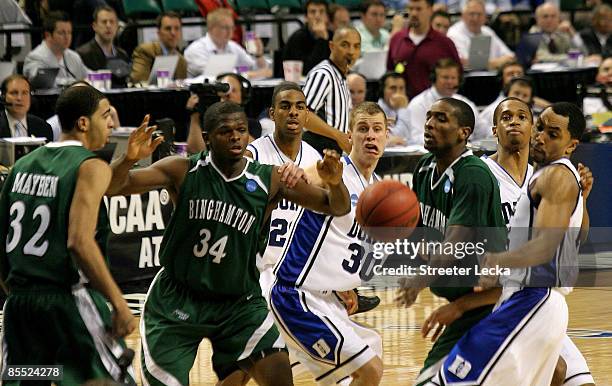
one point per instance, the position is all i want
(598, 37)
(413, 52)
(549, 40)
(53, 52)
(357, 84)
(328, 96)
(373, 36)
(169, 35)
(440, 21)
(338, 17)
(217, 41)
(98, 51)
(392, 96)
(447, 78)
(472, 24)
(518, 87)
(603, 103)
(15, 121)
(513, 69)
(207, 6)
(239, 92)
(310, 44)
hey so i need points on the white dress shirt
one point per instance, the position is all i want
(12, 121)
(411, 120)
(198, 53)
(461, 36)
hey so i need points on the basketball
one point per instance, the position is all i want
(388, 204)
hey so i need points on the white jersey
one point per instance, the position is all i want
(283, 218)
(509, 190)
(327, 252)
(562, 270)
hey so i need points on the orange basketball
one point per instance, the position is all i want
(388, 204)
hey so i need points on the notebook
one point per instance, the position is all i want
(163, 63)
(45, 78)
(373, 64)
(219, 64)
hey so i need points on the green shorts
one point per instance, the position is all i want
(447, 340)
(57, 326)
(175, 320)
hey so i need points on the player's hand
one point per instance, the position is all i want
(343, 141)
(407, 293)
(330, 169)
(439, 319)
(398, 101)
(586, 180)
(349, 298)
(140, 144)
(488, 281)
(124, 322)
(291, 174)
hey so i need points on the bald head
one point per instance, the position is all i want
(547, 17)
(345, 48)
(357, 87)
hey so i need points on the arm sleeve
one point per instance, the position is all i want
(141, 65)
(472, 197)
(31, 65)
(196, 58)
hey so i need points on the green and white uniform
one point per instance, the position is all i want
(49, 317)
(466, 194)
(209, 284)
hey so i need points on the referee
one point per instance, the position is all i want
(327, 93)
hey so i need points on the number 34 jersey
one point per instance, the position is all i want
(214, 235)
(326, 252)
(34, 213)
(283, 218)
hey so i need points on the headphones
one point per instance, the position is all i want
(5, 83)
(383, 80)
(245, 85)
(442, 64)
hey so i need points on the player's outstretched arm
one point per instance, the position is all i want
(319, 126)
(333, 200)
(586, 182)
(558, 192)
(166, 173)
(94, 177)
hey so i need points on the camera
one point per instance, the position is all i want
(208, 93)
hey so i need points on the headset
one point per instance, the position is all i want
(245, 85)
(446, 63)
(4, 87)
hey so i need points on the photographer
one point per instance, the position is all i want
(204, 95)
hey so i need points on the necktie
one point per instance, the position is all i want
(552, 47)
(20, 130)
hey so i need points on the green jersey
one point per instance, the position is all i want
(465, 194)
(34, 212)
(216, 229)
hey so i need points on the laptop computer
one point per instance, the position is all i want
(45, 78)
(163, 63)
(373, 64)
(219, 64)
(480, 49)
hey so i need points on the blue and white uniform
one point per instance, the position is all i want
(284, 216)
(325, 255)
(520, 342)
(577, 372)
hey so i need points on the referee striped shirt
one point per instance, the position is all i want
(326, 91)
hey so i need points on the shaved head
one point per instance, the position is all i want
(340, 32)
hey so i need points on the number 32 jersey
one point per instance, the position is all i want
(326, 252)
(34, 212)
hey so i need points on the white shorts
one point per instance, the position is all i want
(320, 334)
(517, 345)
(578, 372)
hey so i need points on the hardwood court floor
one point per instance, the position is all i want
(590, 327)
